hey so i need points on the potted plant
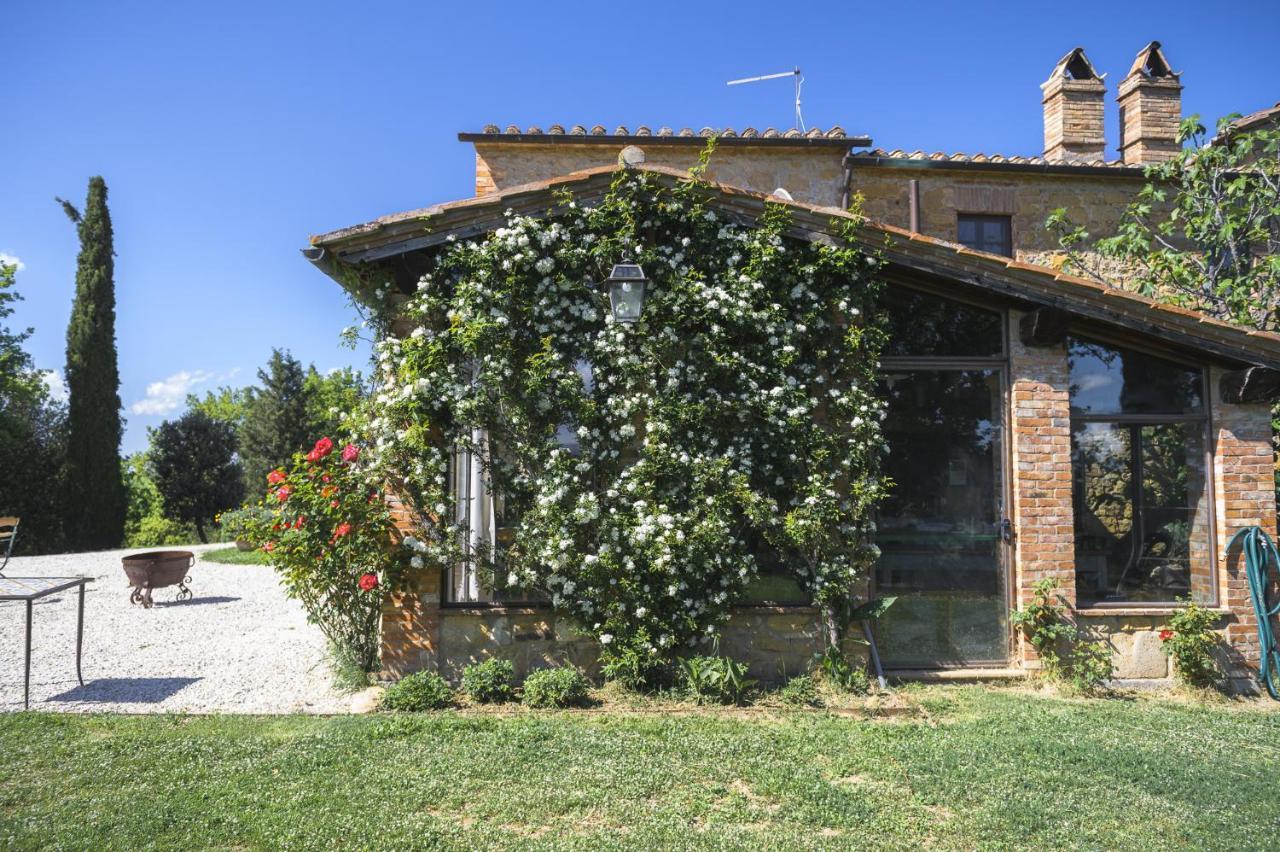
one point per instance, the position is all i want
(241, 525)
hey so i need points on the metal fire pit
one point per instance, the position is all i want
(156, 570)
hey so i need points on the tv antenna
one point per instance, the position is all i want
(799, 82)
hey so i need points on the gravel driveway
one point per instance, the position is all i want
(239, 646)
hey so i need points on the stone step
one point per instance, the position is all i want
(956, 675)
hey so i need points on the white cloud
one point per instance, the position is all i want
(170, 394)
(10, 259)
(56, 384)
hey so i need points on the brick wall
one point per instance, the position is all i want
(1040, 445)
(1244, 486)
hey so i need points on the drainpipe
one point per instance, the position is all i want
(913, 206)
(846, 192)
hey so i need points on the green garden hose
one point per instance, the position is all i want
(1260, 557)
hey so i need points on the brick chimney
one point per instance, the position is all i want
(1074, 97)
(1150, 99)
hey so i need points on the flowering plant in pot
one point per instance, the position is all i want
(332, 539)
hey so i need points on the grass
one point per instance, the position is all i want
(971, 768)
(234, 556)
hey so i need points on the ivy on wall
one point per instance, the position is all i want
(652, 466)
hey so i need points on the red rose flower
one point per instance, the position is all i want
(343, 529)
(269, 546)
(275, 477)
(297, 525)
(1166, 635)
(333, 504)
(323, 447)
(368, 582)
(283, 493)
(350, 453)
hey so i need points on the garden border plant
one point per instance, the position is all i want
(740, 415)
(331, 537)
(1066, 652)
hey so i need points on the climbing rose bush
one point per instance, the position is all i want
(330, 536)
(650, 466)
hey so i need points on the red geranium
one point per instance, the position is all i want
(368, 582)
(1166, 635)
(275, 477)
(322, 448)
(350, 453)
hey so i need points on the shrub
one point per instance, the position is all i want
(1091, 666)
(1043, 622)
(245, 523)
(332, 540)
(800, 691)
(1191, 641)
(488, 682)
(715, 678)
(417, 692)
(558, 687)
(836, 669)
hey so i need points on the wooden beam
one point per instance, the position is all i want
(1044, 327)
(1250, 385)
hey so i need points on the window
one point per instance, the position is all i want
(921, 324)
(489, 519)
(992, 234)
(1139, 438)
(488, 525)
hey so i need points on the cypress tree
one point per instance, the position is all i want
(278, 422)
(95, 497)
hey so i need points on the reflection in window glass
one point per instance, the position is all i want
(1141, 511)
(923, 324)
(1109, 380)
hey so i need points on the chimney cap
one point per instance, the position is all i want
(1076, 66)
(1152, 64)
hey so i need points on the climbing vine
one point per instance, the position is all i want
(652, 467)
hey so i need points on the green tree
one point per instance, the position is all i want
(95, 497)
(334, 395)
(193, 464)
(32, 436)
(277, 422)
(230, 405)
(1204, 232)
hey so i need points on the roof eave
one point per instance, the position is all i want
(691, 141)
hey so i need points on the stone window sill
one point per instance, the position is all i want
(1131, 611)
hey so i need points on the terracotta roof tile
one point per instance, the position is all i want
(834, 132)
(943, 157)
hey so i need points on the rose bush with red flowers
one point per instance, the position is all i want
(336, 550)
(1192, 642)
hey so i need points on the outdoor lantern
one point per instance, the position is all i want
(626, 291)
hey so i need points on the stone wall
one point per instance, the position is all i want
(812, 174)
(1026, 197)
(774, 642)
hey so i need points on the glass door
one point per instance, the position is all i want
(940, 528)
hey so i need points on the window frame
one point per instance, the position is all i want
(981, 218)
(1204, 417)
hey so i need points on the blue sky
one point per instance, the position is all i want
(229, 132)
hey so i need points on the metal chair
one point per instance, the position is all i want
(8, 535)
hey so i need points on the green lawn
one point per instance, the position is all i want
(234, 556)
(970, 768)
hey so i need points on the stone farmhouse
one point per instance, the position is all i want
(1040, 425)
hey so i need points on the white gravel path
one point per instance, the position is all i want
(239, 646)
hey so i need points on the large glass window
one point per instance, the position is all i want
(921, 324)
(1140, 477)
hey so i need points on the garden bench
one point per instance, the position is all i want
(8, 535)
